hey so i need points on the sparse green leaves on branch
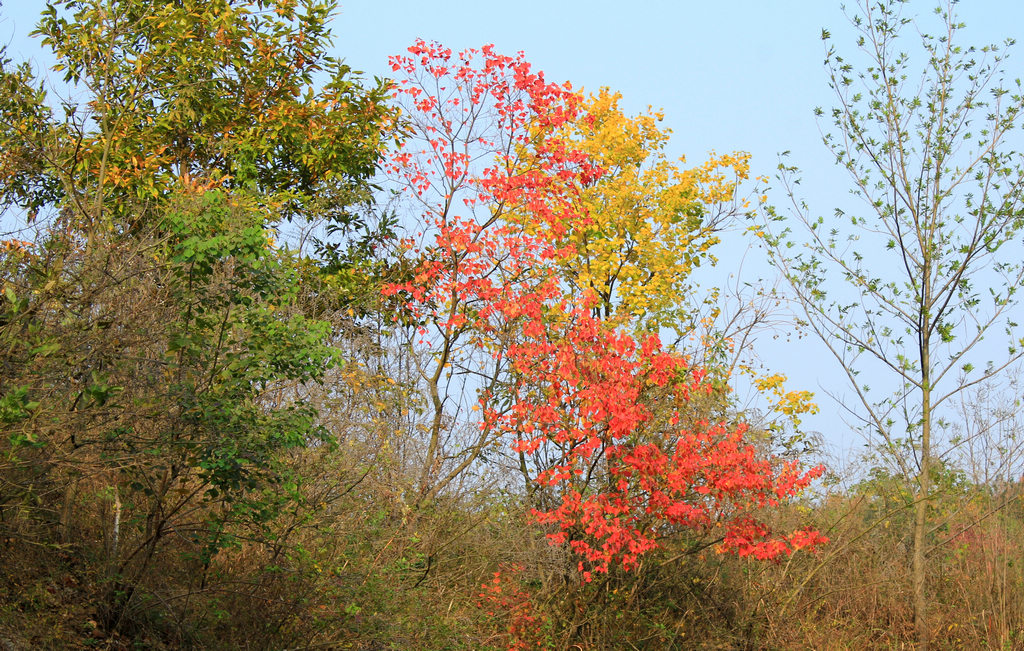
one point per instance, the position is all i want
(925, 263)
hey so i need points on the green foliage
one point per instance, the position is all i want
(155, 349)
(209, 440)
(213, 91)
(908, 284)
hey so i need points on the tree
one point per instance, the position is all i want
(153, 349)
(649, 222)
(501, 190)
(908, 284)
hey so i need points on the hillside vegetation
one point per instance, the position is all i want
(293, 359)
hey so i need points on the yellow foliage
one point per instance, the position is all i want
(649, 221)
(788, 403)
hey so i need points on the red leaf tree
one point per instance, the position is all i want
(484, 163)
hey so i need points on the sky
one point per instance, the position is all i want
(733, 75)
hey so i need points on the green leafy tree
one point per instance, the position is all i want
(153, 346)
(908, 283)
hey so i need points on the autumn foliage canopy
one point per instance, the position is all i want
(467, 359)
(509, 191)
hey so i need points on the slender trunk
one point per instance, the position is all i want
(431, 462)
(527, 479)
(115, 533)
(921, 509)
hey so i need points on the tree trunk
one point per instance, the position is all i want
(921, 629)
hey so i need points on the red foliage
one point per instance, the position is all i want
(577, 386)
(502, 597)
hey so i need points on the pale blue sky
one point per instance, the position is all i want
(739, 75)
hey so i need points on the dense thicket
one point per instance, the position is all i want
(292, 359)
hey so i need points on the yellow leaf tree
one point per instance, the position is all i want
(651, 220)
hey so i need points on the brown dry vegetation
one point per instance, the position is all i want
(212, 442)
